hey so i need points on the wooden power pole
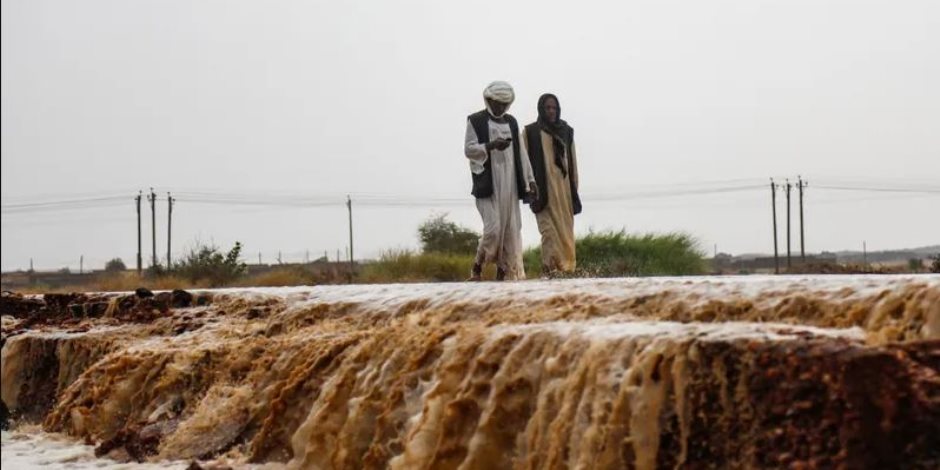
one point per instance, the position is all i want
(802, 184)
(169, 229)
(788, 187)
(351, 255)
(140, 258)
(153, 222)
(773, 205)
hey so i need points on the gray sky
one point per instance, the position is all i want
(315, 100)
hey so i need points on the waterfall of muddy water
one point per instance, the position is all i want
(729, 372)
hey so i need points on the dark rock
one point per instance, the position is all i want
(181, 299)
(4, 416)
(77, 310)
(96, 309)
(138, 440)
(162, 301)
(143, 292)
(19, 306)
(60, 302)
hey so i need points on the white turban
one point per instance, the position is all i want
(499, 91)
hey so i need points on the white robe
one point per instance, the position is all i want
(501, 242)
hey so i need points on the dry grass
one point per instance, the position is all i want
(117, 282)
(279, 278)
(407, 266)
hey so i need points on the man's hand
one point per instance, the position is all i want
(533, 194)
(498, 144)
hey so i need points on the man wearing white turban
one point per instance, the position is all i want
(502, 175)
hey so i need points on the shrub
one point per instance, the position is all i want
(115, 265)
(611, 254)
(207, 263)
(439, 235)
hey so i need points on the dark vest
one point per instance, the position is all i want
(483, 182)
(537, 158)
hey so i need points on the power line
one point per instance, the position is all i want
(371, 199)
(880, 189)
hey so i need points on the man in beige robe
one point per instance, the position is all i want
(550, 146)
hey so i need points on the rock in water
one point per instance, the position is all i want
(4, 416)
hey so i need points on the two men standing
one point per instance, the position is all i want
(539, 167)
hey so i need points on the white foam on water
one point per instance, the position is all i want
(703, 288)
(607, 330)
(32, 449)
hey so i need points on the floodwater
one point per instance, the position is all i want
(616, 373)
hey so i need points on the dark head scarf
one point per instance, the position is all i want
(559, 130)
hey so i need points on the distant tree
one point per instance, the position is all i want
(439, 235)
(65, 270)
(935, 264)
(205, 262)
(115, 265)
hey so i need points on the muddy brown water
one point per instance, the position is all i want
(739, 372)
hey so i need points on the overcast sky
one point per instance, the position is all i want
(310, 101)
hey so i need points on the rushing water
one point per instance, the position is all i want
(641, 373)
(31, 449)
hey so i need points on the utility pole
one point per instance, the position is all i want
(31, 265)
(788, 223)
(307, 256)
(773, 205)
(279, 257)
(802, 184)
(351, 255)
(259, 258)
(153, 223)
(140, 259)
(81, 264)
(169, 228)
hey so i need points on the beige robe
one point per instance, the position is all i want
(556, 220)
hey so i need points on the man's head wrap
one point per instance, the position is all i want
(500, 92)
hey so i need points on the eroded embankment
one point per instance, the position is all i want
(650, 373)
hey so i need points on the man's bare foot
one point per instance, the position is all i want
(476, 274)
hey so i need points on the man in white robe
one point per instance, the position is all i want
(502, 175)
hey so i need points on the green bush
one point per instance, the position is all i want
(207, 263)
(115, 265)
(613, 254)
(439, 235)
